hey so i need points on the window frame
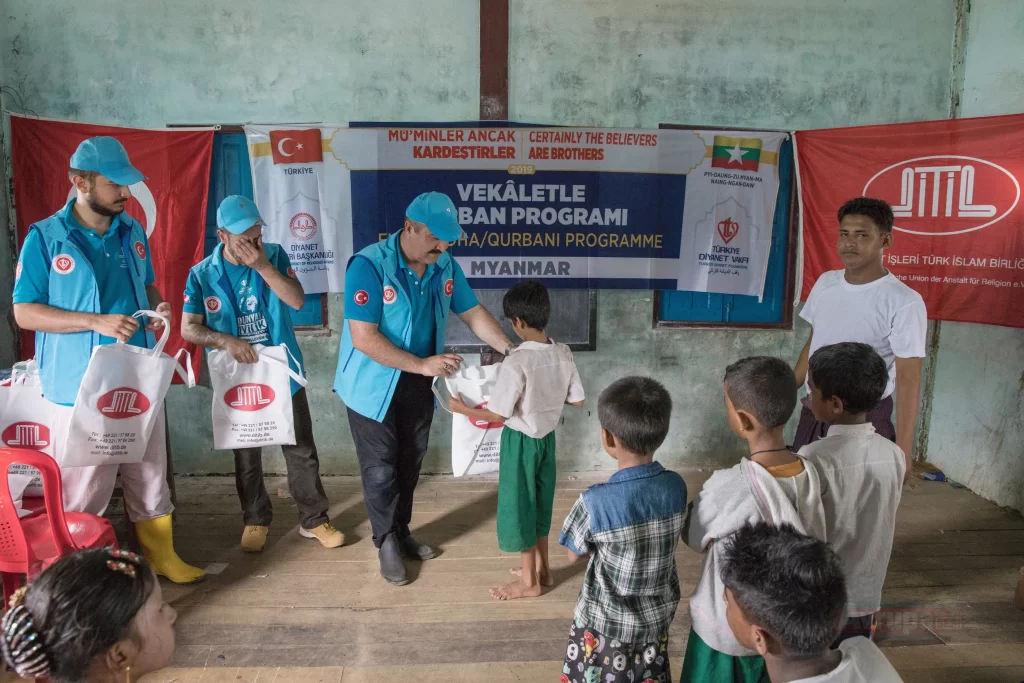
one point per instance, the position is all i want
(792, 247)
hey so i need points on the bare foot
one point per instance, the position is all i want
(546, 580)
(514, 590)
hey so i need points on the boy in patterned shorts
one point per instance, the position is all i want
(629, 528)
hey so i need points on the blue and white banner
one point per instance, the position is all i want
(571, 207)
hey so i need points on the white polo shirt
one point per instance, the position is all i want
(887, 314)
(533, 385)
(861, 476)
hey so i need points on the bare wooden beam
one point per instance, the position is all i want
(493, 60)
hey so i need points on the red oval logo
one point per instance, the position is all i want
(302, 226)
(17, 271)
(63, 263)
(31, 435)
(291, 273)
(212, 304)
(484, 424)
(121, 403)
(389, 294)
(249, 396)
(945, 195)
(449, 287)
(361, 297)
(140, 249)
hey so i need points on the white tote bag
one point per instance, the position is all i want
(27, 420)
(252, 402)
(120, 399)
(475, 443)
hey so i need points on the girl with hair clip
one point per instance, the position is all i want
(97, 616)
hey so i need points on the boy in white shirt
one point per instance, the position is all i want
(866, 303)
(773, 485)
(785, 594)
(533, 385)
(861, 472)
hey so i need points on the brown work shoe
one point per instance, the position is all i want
(254, 538)
(328, 536)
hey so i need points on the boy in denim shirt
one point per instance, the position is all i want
(629, 527)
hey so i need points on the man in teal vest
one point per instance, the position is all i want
(397, 297)
(241, 295)
(81, 275)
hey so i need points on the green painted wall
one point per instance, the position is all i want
(782, 64)
(785, 63)
(977, 427)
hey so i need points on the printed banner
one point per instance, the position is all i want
(574, 208)
(303, 193)
(955, 191)
(170, 203)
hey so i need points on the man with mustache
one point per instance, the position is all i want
(81, 275)
(398, 294)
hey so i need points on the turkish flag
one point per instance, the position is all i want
(296, 146)
(170, 203)
(955, 189)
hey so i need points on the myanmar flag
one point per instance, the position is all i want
(737, 153)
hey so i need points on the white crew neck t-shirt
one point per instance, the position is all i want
(862, 662)
(887, 314)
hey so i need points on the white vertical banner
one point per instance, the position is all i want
(305, 200)
(729, 211)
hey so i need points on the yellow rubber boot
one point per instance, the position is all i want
(157, 539)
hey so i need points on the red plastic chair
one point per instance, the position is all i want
(29, 545)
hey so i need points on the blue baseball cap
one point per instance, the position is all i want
(106, 156)
(236, 214)
(436, 211)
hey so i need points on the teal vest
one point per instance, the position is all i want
(365, 385)
(63, 358)
(213, 282)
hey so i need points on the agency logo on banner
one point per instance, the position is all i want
(302, 226)
(945, 195)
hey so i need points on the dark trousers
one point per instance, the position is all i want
(391, 453)
(810, 430)
(303, 475)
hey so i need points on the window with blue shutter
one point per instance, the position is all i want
(230, 173)
(774, 310)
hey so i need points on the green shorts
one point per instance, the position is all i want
(526, 489)
(702, 664)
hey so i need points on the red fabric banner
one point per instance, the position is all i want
(170, 203)
(955, 188)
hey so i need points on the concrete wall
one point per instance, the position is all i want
(977, 427)
(783, 64)
(7, 333)
(151, 63)
(788, 63)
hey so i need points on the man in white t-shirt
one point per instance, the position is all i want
(866, 303)
(785, 595)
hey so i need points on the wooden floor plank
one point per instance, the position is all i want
(300, 612)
